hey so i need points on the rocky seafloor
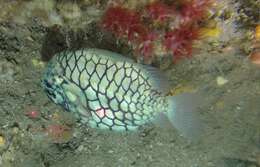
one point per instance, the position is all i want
(230, 84)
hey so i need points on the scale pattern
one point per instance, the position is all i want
(117, 94)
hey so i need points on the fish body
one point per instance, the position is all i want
(108, 91)
(103, 89)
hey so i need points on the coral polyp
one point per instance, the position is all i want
(125, 23)
(159, 12)
(179, 41)
(194, 10)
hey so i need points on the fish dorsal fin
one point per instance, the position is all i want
(115, 57)
(157, 78)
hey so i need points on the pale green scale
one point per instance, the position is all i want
(99, 70)
(81, 66)
(94, 105)
(114, 104)
(104, 61)
(128, 122)
(145, 117)
(119, 96)
(118, 122)
(107, 121)
(134, 85)
(137, 117)
(110, 114)
(112, 89)
(138, 105)
(129, 115)
(135, 97)
(103, 126)
(95, 117)
(91, 94)
(126, 83)
(148, 109)
(128, 72)
(127, 65)
(123, 106)
(121, 91)
(132, 107)
(134, 75)
(119, 128)
(75, 76)
(118, 77)
(103, 84)
(90, 67)
(127, 99)
(94, 57)
(143, 98)
(84, 79)
(103, 100)
(119, 115)
(94, 81)
(110, 72)
(109, 63)
(68, 72)
(63, 64)
(129, 93)
(119, 65)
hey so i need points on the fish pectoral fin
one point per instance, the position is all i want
(157, 78)
(184, 115)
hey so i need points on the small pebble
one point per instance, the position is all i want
(221, 81)
(38, 63)
(255, 57)
(2, 141)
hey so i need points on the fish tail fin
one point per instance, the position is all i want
(183, 115)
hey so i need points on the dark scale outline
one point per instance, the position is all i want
(119, 102)
(132, 82)
(68, 57)
(90, 74)
(100, 79)
(86, 61)
(77, 62)
(79, 86)
(80, 83)
(125, 77)
(74, 67)
(97, 70)
(113, 74)
(97, 94)
(124, 99)
(110, 99)
(120, 82)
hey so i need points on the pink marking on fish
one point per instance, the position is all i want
(101, 112)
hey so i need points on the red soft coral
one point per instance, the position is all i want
(176, 33)
(159, 11)
(147, 45)
(179, 41)
(192, 11)
(124, 23)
